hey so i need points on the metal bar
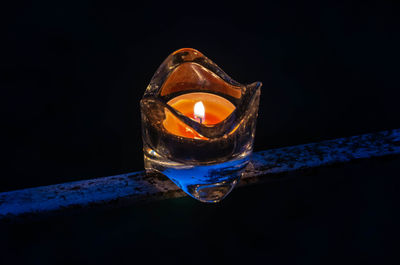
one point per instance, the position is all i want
(137, 186)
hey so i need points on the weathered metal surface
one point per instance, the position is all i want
(276, 161)
(137, 186)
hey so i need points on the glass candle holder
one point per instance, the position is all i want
(198, 125)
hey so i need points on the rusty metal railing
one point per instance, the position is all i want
(133, 187)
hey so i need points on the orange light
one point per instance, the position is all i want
(205, 108)
(199, 111)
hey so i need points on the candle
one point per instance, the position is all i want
(198, 125)
(205, 108)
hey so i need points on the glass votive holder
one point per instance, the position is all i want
(198, 125)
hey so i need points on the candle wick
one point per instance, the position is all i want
(199, 111)
(198, 118)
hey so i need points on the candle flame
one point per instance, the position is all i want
(199, 110)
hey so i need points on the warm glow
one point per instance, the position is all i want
(199, 110)
(195, 105)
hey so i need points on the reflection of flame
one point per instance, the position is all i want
(199, 111)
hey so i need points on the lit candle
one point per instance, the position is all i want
(205, 108)
(198, 125)
(199, 111)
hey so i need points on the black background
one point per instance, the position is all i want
(72, 75)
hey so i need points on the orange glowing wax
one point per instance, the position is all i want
(216, 109)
